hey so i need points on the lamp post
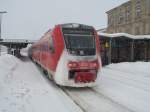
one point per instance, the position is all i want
(1, 13)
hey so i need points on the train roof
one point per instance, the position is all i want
(76, 25)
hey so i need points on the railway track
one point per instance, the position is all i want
(90, 100)
(76, 102)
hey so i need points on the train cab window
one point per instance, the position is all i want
(51, 48)
(80, 41)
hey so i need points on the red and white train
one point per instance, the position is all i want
(70, 54)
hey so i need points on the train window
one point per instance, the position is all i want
(51, 48)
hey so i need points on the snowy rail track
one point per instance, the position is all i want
(94, 101)
(89, 99)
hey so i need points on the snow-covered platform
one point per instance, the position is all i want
(23, 88)
(122, 87)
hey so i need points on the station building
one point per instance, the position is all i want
(132, 17)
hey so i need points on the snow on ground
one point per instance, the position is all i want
(127, 84)
(122, 87)
(24, 89)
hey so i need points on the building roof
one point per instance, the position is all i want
(102, 30)
(125, 35)
(118, 6)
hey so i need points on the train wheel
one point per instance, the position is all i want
(50, 76)
(40, 66)
(45, 73)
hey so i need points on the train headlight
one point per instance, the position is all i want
(72, 65)
(94, 64)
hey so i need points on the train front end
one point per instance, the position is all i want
(80, 61)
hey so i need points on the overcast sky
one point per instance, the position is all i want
(31, 18)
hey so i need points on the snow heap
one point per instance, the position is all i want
(8, 62)
(23, 88)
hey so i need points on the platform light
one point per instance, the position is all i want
(1, 13)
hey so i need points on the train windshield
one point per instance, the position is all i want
(80, 42)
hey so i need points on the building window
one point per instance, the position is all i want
(148, 7)
(128, 13)
(138, 10)
(121, 17)
(137, 31)
(110, 20)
